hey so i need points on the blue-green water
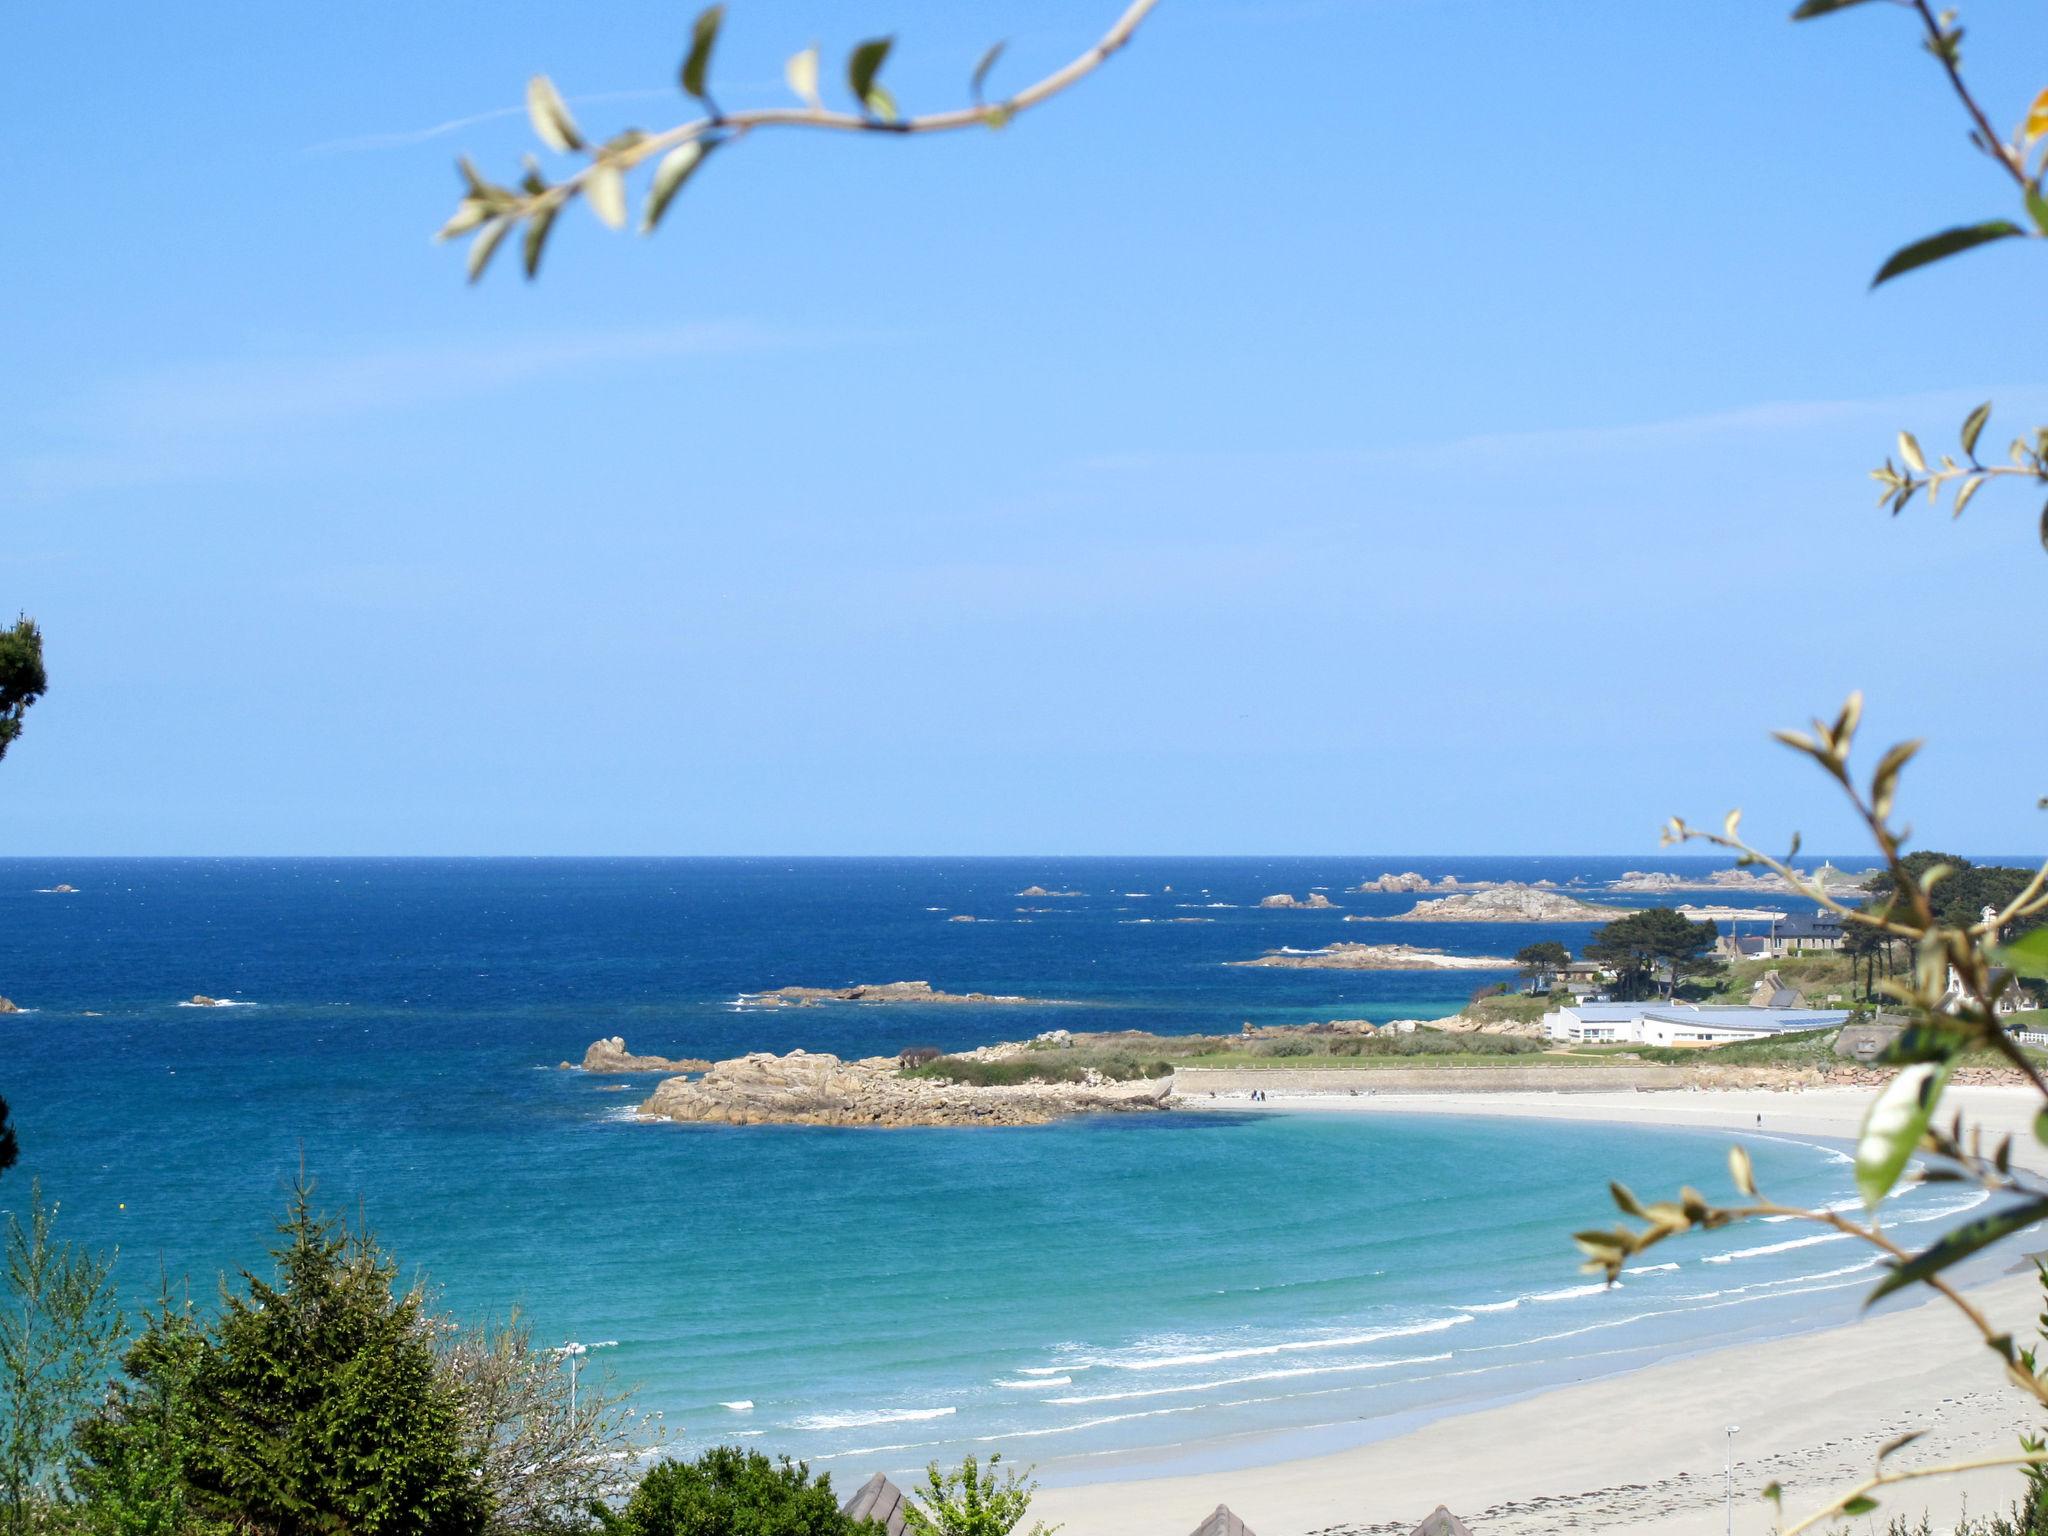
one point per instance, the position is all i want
(1090, 1295)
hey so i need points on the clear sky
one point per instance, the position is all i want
(1337, 425)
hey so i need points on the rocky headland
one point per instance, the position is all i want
(612, 1056)
(1374, 957)
(890, 992)
(1315, 901)
(1507, 904)
(803, 1088)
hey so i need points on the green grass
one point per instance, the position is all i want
(1509, 1008)
(1124, 1057)
(1816, 975)
(1383, 1062)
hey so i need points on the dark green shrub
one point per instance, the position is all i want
(732, 1492)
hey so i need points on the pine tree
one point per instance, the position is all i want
(318, 1407)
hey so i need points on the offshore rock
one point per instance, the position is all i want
(803, 1088)
(1508, 904)
(886, 992)
(1375, 957)
(1316, 901)
(612, 1056)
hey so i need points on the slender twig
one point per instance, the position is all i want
(1911, 1474)
(726, 127)
(1992, 143)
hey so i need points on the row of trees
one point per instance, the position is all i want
(1654, 948)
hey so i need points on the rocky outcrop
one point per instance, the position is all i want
(1315, 901)
(1508, 904)
(888, 992)
(1039, 890)
(6, 1006)
(1409, 881)
(612, 1056)
(806, 1089)
(1374, 957)
(1658, 881)
(201, 1000)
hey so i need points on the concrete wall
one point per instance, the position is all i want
(1192, 1082)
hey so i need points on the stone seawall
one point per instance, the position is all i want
(1193, 1082)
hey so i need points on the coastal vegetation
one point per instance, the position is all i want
(969, 1501)
(729, 1491)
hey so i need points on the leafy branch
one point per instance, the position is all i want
(1960, 973)
(2023, 159)
(490, 211)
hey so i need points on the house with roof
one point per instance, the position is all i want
(1805, 933)
(1680, 1024)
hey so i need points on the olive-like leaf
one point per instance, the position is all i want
(537, 226)
(1959, 1243)
(1909, 450)
(676, 167)
(550, 115)
(882, 104)
(864, 63)
(2037, 209)
(605, 191)
(1862, 1504)
(1949, 242)
(1973, 427)
(1893, 1126)
(988, 62)
(1740, 1170)
(802, 74)
(2037, 118)
(485, 246)
(697, 63)
(1813, 8)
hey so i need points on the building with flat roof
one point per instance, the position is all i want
(1680, 1024)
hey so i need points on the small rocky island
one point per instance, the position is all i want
(889, 992)
(612, 1056)
(1039, 890)
(1374, 957)
(8, 1006)
(1315, 901)
(1507, 904)
(806, 1088)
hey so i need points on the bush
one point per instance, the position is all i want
(971, 1503)
(731, 1492)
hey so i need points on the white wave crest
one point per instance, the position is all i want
(878, 1416)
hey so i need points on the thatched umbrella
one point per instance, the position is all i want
(879, 1500)
(1441, 1522)
(1223, 1523)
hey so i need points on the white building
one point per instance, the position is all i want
(1680, 1024)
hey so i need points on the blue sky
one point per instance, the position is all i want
(1338, 425)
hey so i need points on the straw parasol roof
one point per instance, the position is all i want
(1223, 1523)
(1441, 1522)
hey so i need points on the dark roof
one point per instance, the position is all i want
(879, 1500)
(1809, 925)
(1441, 1522)
(1222, 1523)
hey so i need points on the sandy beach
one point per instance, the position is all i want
(1645, 1452)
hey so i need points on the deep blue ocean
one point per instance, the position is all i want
(1100, 1296)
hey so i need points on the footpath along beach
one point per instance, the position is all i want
(1645, 1452)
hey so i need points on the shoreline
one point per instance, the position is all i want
(1642, 1450)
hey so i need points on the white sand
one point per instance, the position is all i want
(1644, 1452)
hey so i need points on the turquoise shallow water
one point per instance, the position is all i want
(1095, 1296)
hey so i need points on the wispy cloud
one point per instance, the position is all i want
(1753, 421)
(405, 138)
(214, 418)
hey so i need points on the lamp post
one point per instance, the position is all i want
(574, 1352)
(1729, 1493)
